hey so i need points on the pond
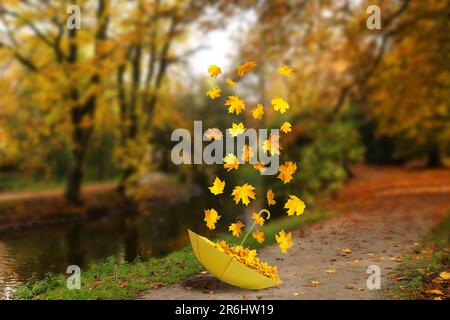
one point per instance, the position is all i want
(34, 253)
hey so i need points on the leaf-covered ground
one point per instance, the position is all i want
(385, 213)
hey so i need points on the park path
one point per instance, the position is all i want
(384, 212)
(54, 193)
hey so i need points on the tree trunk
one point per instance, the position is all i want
(73, 187)
(434, 157)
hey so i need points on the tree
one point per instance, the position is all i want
(146, 41)
(36, 35)
(409, 95)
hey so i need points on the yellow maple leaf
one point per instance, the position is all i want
(285, 71)
(213, 133)
(214, 71)
(315, 283)
(286, 171)
(272, 145)
(294, 206)
(236, 228)
(280, 105)
(347, 250)
(231, 83)
(258, 111)
(214, 93)
(243, 193)
(211, 217)
(246, 67)
(236, 129)
(235, 104)
(247, 153)
(258, 219)
(284, 240)
(259, 236)
(217, 187)
(259, 166)
(270, 197)
(286, 127)
(230, 162)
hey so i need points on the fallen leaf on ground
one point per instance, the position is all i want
(315, 283)
(295, 294)
(347, 250)
(347, 286)
(435, 291)
(123, 284)
(444, 275)
(331, 271)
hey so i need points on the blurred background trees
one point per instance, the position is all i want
(100, 103)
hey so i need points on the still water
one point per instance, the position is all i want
(51, 249)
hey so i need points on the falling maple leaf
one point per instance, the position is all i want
(214, 93)
(258, 111)
(214, 71)
(231, 83)
(272, 145)
(258, 219)
(284, 240)
(246, 67)
(213, 133)
(259, 166)
(236, 129)
(259, 236)
(247, 153)
(285, 71)
(236, 228)
(286, 127)
(230, 162)
(270, 197)
(243, 193)
(217, 187)
(286, 171)
(294, 206)
(280, 105)
(235, 104)
(211, 217)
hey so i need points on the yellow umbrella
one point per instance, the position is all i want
(227, 268)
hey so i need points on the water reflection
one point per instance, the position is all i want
(52, 249)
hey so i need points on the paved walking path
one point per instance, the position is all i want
(384, 213)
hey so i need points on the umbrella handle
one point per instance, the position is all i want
(251, 228)
(266, 211)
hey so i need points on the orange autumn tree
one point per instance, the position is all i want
(245, 193)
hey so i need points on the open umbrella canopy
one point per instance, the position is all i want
(227, 268)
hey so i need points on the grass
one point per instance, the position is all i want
(113, 279)
(417, 277)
